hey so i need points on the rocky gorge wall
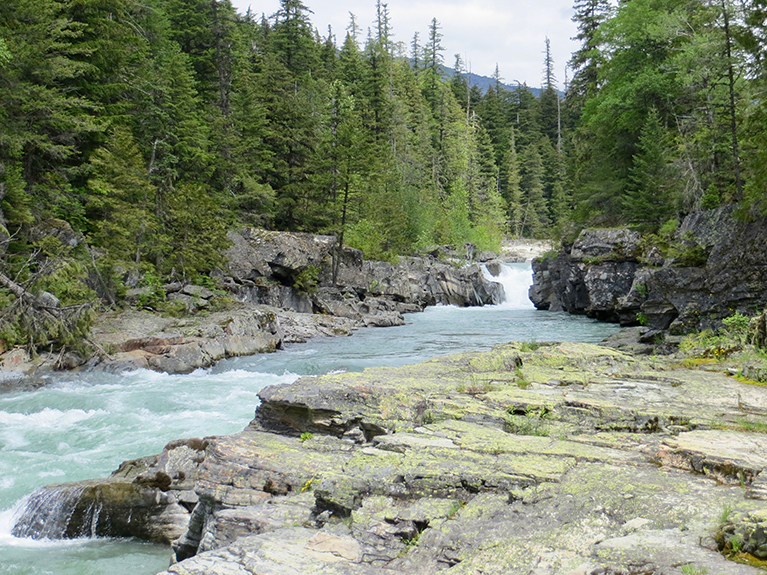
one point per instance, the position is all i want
(715, 265)
(307, 273)
(272, 288)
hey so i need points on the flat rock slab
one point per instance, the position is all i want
(532, 461)
(728, 456)
(553, 459)
(296, 551)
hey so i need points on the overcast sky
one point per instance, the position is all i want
(510, 33)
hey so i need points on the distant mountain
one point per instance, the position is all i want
(484, 82)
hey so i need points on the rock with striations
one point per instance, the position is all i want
(149, 498)
(718, 266)
(567, 458)
(273, 268)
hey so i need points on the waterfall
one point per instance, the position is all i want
(48, 512)
(516, 280)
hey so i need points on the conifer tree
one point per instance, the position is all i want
(511, 188)
(650, 199)
(586, 61)
(121, 200)
(535, 219)
(432, 67)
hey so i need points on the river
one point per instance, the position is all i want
(82, 426)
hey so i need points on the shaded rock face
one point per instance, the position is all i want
(265, 267)
(601, 276)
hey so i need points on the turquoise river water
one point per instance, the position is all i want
(81, 426)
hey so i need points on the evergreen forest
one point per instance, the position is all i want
(149, 129)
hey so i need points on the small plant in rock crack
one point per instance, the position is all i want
(725, 515)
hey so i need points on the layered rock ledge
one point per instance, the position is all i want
(273, 288)
(716, 265)
(549, 459)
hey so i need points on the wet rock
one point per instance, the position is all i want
(146, 498)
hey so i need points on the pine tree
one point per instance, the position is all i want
(511, 188)
(549, 117)
(431, 75)
(586, 61)
(650, 200)
(42, 123)
(535, 220)
(121, 200)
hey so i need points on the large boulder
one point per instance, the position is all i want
(140, 339)
(610, 244)
(283, 255)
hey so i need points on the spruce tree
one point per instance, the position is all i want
(650, 198)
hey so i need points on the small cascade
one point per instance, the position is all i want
(48, 513)
(516, 280)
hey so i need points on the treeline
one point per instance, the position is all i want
(667, 110)
(153, 127)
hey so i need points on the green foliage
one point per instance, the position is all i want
(307, 280)
(306, 436)
(67, 282)
(668, 229)
(365, 236)
(156, 297)
(520, 378)
(736, 327)
(711, 198)
(641, 318)
(532, 423)
(725, 515)
(155, 128)
(736, 543)
(688, 255)
(687, 252)
(529, 345)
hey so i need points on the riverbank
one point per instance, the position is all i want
(546, 458)
(275, 289)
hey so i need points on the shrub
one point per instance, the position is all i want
(307, 280)
(736, 327)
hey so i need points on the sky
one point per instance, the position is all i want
(509, 33)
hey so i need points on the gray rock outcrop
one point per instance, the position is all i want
(149, 498)
(718, 266)
(568, 459)
(306, 273)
